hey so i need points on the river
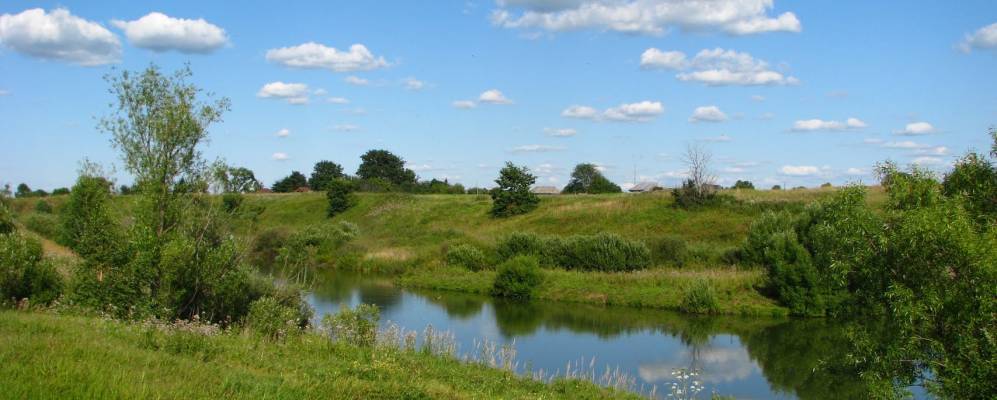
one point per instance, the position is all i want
(744, 357)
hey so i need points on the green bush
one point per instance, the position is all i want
(600, 252)
(604, 252)
(267, 244)
(911, 189)
(974, 181)
(87, 225)
(517, 278)
(671, 250)
(700, 298)
(357, 326)
(760, 233)
(272, 320)
(231, 202)
(512, 196)
(339, 192)
(6, 218)
(43, 206)
(46, 225)
(791, 276)
(24, 273)
(467, 256)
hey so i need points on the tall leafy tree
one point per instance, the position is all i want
(242, 180)
(586, 178)
(23, 190)
(513, 196)
(382, 164)
(323, 174)
(290, 183)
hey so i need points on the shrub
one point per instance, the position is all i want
(467, 256)
(271, 320)
(24, 273)
(700, 298)
(791, 275)
(670, 250)
(519, 243)
(231, 202)
(46, 225)
(513, 196)
(6, 218)
(267, 244)
(87, 225)
(908, 190)
(357, 326)
(517, 278)
(340, 195)
(760, 233)
(974, 179)
(604, 252)
(43, 206)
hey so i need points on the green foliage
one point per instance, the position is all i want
(6, 218)
(776, 187)
(356, 326)
(513, 196)
(826, 185)
(324, 173)
(908, 190)
(238, 180)
(46, 225)
(586, 178)
(671, 250)
(271, 320)
(87, 225)
(700, 298)
(467, 256)
(301, 247)
(791, 275)
(744, 185)
(382, 164)
(43, 206)
(24, 273)
(23, 190)
(604, 252)
(267, 244)
(231, 202)
(339, 192)
(600, 252)
(517, 278)
(974, 180)
(760, 233)
(60, 191)
(290, 183)
(691, 195)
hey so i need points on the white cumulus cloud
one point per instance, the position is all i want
(984, 38)
(160, 32)
(493, 96)
(634, 112)
(799, 170)
(927, 160)
(59, 35)
(560, 132)
(808, 125)
(719, 67)
(318, 56)
(464, 104)
(916, 128)
(651, 17)
(279, 156)
(293, 93)
(413, 84)
(284, 132)
(580, 112)
(337, 100)
(356, 80)
(653, 58)
(535, 148)
(707, 114)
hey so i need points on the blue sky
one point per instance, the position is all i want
(781, 92)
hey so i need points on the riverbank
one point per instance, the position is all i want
(47, 355)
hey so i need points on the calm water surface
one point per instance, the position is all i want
(750, 358)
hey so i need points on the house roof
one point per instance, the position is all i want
(645, 187)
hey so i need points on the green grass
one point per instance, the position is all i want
(409, 234)
(58, 356)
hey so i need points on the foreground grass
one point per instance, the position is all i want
(657, 288)
(56, 356)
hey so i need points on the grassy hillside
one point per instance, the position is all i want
(53, 356)
(409, 234)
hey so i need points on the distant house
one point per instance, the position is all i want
(303, 189)
(645, 187)
(545, 190)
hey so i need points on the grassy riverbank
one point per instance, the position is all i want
(56, 356)
(408, 235)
